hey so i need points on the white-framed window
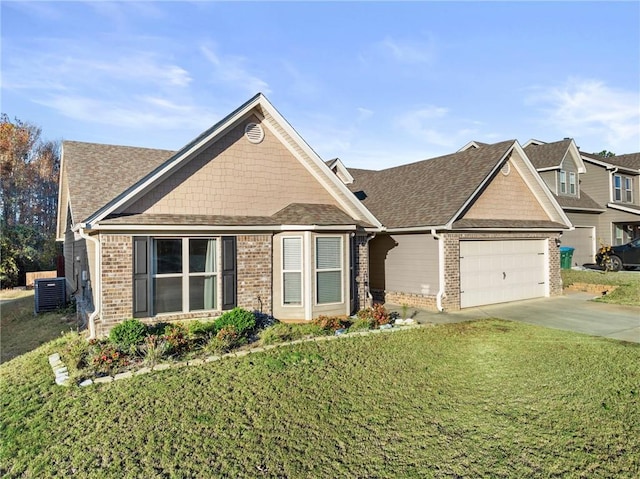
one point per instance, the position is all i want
(292, 271)
(572, 183)
(329, 266)
(628, 190)
(184, 274)
(617, 188)
(619, 235)
(563, 181)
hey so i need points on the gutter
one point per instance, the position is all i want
(440, 269)
(97, 297)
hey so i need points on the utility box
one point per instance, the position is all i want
(50, 294)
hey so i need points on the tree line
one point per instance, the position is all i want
(29, 171)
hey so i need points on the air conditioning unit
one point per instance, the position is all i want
(50, 294)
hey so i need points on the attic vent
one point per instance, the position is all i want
(254, 132)
(506, 169)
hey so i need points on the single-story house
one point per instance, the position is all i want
(248, 215)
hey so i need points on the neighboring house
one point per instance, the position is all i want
(561, 167)
(475, 227)
(614, 183)
(600, 195)
(245, 215)
(248, 215)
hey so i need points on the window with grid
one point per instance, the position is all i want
(617, 188)
(563, 181)
(572, 183)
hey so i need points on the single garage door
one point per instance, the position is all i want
(501, 271)
(583, 240)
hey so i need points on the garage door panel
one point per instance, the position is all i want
(501, 271)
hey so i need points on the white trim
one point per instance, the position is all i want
(549, 168)
(535, 142)
(609, 166)
(618, 206)
(441, 270)
(316, 271)
(97, 281)
(514, 230)
(60, 237)
(307, 267)
(301, 271)
(417, 229)
(127, 227)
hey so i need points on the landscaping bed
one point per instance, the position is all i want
(621, 287)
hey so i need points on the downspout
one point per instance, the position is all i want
(98, 283)
(440, 269)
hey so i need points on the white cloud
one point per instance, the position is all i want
(364, 114)
(593, 112)
(231, 71)
(408, 51)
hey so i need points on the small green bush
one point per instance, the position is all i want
(378, 315)
(128, 334)
(177, 337)
(361, 324)
(201, 328)
(244, 321)
(75, 352)
(226, 340)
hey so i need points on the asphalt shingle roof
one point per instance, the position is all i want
(584, 202)
(98, 173)
(429, 192)
(629, 160)
(547, 155)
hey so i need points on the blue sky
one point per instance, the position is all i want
(374, 83)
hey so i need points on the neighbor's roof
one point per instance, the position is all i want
(629, 161)
(98, 173)
(585, 202)
(429, 192)
(547, 155)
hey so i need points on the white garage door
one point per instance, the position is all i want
(583, 240)
(501, 271)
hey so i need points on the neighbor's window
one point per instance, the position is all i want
(572, 183)
(619, 235)
(617, 188)
(292, 271)
(328, 269)
(563, 181)
(184, 268)
(628, 190)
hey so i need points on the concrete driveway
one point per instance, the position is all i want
(570, 312)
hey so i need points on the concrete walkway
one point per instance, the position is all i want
(570, 312)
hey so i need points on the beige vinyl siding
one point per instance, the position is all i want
(550, 179)
(236, 177)
(405, 263)
(595, 182)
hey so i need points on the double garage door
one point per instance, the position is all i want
(502, 271)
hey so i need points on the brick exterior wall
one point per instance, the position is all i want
(253, 280)
(361, 267)
(254, 269)
(411, 299)
(117, 281)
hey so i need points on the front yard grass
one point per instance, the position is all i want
(21, 330)
(628, 284)
(482, 399)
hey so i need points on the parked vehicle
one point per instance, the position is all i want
(625, 256)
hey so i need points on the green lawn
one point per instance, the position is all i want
(628, 291)
(481, 399)
(21, 330)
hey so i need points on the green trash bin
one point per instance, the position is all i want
(566, 255)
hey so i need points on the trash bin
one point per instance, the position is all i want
(566, 255)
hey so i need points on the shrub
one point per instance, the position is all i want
(330, 323)
(75, 352)
(154, 349)
(361, 324)
(177, 337)
(106, 358)
(378, 315)
(128, 334)
(227, 339)
(200, 328)
(244, 321)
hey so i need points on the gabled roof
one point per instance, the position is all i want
(98, 173)
(585, 202)
(630, 161)
(548, 156)
(429, 192)
(114, 177)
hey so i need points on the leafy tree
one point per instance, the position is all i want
(606, 154)
(29, 170)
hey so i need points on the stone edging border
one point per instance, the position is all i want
(62, 374)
